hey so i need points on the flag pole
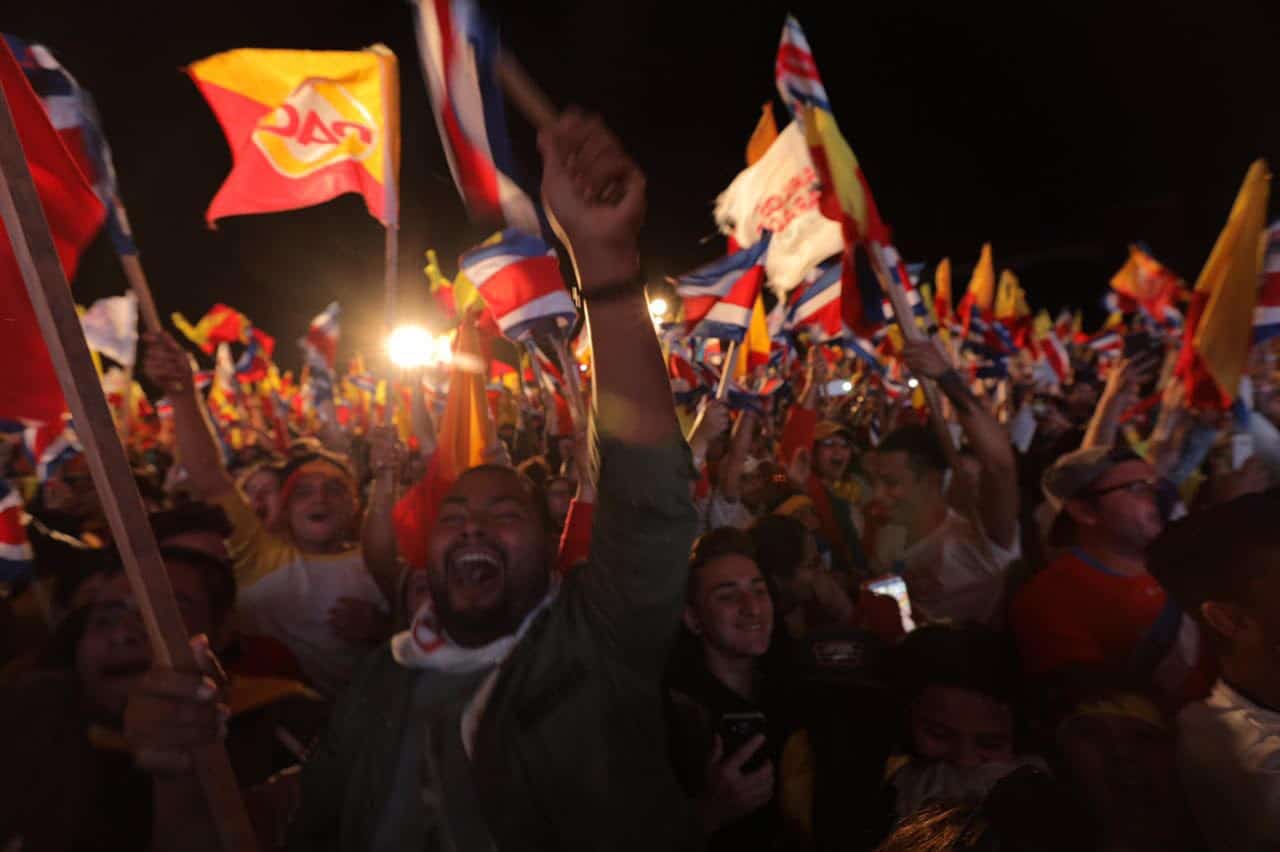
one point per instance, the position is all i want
(726, 367)
(137, 279)
(391, 202)
(572, 381)
(526, 95)
(50, 295)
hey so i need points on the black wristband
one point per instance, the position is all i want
(613, 292)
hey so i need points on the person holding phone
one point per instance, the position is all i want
(726, 705)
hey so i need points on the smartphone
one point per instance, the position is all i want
(896, 588)
(735, 729)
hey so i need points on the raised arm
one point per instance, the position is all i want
(1120, 393)
(169, 366)
(378, 535)
(645, 522)
(998, 486)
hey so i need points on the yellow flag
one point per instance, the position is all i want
(1006, 295)
(982, 285)
(942, 283)
(754, 348)
(762, 137)
(1229, 285)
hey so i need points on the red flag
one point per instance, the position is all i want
(74, 215)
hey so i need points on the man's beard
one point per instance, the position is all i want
(481, 626)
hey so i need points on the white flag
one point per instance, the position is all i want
(780, 194)
(111, 327)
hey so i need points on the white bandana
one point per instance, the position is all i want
(425, 645)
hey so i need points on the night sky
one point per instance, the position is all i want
(1058, 133)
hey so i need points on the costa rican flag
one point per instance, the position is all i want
(796, 72)
(74, 115)
(1109, 344)
(321, 343)
(1055, 355)
(458, 49)
(50, 445)
(519, 278)
(1266, 313)
(688, 383)
(817, 305)
(15, 549)
(719, 297)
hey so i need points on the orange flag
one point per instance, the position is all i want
(465, 427)
(762, 137)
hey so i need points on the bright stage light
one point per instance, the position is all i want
(847, 386)
(658, 308)
(913, 383)
(411, 346)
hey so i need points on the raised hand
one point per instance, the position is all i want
(166, 363)
(730, 793)
(168, 713)
(595, 198)
(925, 358)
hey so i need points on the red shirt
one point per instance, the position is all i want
(1077, 613)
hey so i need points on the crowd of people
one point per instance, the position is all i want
(815, 624)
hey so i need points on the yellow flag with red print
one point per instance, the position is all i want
(304, 127)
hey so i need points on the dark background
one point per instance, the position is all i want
(1060, 132)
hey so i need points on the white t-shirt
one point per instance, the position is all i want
(1229, 761)
(957, 574)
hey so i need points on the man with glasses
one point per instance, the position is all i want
(1095, 609)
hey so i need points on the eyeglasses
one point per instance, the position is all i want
(1136, 488)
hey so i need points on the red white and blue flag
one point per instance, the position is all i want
(15, 549)
(519, 279)
(1266, 312)
(796, 72)
(816, 308)
(458, 49)
(321, 343)
(74, 115)
(719, 297)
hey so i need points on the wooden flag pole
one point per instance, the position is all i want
(526, 95)
(137, 279)
(572, 381)
(391, 185)
(55, 311)
(726, 367)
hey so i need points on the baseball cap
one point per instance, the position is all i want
(829, 428)
(1072, 475)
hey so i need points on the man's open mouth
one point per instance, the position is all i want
(473, 565)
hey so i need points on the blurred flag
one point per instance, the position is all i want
(304, 126)
(1266, 316)
(763, 136)
(254, 362)
(942, 293)
(755, 349)
(518, 276)
(1219, 325)
(321, 343)
(464, 429)
(719, 297)
(15, 549)
(980, 294)
(221, 324)
(74, 115)
(817, 310)
(458, 47)
(796, 72)
(1143, 282)
(778, 194)
(74, 215)
(111, 327)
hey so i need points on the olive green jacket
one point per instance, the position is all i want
(570, 751)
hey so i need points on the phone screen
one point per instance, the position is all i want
(896, 588)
